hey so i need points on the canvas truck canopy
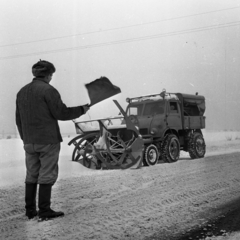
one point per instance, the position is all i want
(189, 101)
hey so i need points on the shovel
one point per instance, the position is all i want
(101, 89)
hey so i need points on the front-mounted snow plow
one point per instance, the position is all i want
(109, 143)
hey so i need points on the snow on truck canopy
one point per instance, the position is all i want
(153, 97)
(190, 98)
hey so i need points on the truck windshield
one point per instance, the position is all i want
(153, 108)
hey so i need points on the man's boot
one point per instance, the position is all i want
(44, 203)
(30, 200)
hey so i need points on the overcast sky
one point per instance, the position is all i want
(142, 46)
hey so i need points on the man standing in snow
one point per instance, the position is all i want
(38, 109)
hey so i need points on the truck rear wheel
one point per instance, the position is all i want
(151, 155)
(196, 145)
(170, 148)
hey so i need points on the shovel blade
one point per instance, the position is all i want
(101, 89)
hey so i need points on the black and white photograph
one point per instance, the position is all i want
(120, 120)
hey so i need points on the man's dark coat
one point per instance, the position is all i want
(38, 109)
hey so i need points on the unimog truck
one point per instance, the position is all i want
(168, 123)
(153, 127)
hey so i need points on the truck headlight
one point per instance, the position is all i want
(153, 131)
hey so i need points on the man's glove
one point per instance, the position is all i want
(85, 108)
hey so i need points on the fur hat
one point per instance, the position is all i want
(43, 68)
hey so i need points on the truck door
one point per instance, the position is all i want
(153, 116)
(174, 115)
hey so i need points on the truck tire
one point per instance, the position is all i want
(196, 145)
(151, 155)
(170, 148)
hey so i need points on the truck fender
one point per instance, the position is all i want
(170, 130)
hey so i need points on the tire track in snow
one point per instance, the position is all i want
(111, 202)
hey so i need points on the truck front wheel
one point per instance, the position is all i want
(170, 148)
(151, 155)
(196, 145)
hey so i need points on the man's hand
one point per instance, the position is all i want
(86, 108)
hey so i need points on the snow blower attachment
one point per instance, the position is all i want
(109, 143)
